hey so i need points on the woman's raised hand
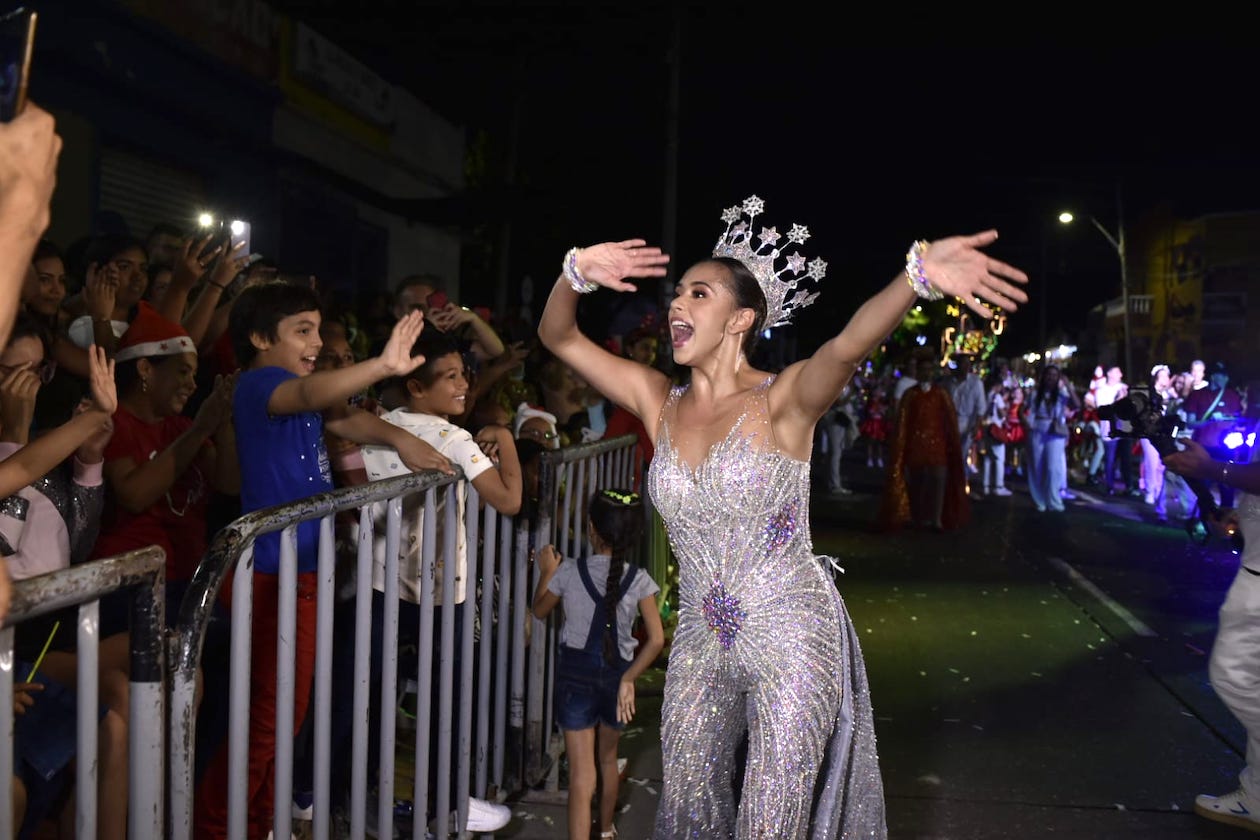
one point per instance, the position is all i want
(959, 268)
(609, 263)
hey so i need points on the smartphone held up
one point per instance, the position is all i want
(17, 43)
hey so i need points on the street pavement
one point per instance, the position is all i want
(1033, 675)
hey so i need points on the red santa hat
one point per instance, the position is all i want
(149, 334)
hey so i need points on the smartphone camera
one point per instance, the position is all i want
(238, 238)
(437, 300)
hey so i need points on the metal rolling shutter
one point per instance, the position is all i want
(144, 192)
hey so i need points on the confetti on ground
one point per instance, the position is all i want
(953, 670)
(650, 790)
(623, 808)
(977, 727)
(930, 779)
(1025, 635)
(974, 632)
(914, 618)
(1035, 673)
(640, 782)
(1120, 807)
(1194, 649)
(953, 720)
(923, 673)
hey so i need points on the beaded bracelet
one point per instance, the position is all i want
(569, 267)
(915, 276)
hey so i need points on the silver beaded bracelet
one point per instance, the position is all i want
(915, 276)
(578, 283)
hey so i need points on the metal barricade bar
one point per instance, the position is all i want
(144, 572)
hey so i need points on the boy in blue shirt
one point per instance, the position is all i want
(280, 442)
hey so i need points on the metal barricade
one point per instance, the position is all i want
(143, 572)
(499, 728)
(566, 481)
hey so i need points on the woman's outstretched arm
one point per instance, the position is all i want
(955, 266)
(636, 387)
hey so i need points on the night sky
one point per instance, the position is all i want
(870, 139)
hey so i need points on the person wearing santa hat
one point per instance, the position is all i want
(161, 465)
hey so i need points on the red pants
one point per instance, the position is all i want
(210, 817)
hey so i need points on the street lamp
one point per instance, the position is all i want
(1117, 242)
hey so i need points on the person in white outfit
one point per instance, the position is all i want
(1234, 668)
(970, 403)
(993, 477)
(1152, 463)
(839, 430)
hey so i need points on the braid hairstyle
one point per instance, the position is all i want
(617, 519)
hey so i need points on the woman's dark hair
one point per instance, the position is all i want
(748, 295)
(1045, 393)
(47, 250)
(617, 518)
(433, 345)
(102, 249)
(259, 310)
(27, 325)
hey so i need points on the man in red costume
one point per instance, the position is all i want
(926, 485)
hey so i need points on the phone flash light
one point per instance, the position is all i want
(238, 227)
(205, 220)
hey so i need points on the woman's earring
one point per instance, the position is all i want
(144, 385)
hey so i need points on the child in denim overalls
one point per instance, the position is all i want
(598, 664)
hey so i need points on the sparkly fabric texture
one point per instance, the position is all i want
(783, 665)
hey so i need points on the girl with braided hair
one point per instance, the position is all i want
(602, 594)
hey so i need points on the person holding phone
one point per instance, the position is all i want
(425, 292)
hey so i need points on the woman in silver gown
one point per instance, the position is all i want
(764, 646)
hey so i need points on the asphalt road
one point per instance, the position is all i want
(1033, 675)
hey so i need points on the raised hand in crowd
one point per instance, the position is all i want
(100, 292)
(188, 269)
(215, 412)
(227, 266)
(29, 149)
(453, 318)
(101, 380)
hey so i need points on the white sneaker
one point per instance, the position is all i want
(1001, 491)
(486, 816)
(1231, 809)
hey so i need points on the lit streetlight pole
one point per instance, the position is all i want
(1117, 242)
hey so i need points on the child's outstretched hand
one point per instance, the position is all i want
(92, 450)
(548, 559)
(419, 455)
(396, 357)
(625, 701)
(101, 379)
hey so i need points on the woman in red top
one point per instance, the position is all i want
(160, 466)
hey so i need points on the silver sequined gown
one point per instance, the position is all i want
(763, 645)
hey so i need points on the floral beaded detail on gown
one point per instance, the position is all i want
(764, 646)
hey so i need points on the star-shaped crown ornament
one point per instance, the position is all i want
(780, 286)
